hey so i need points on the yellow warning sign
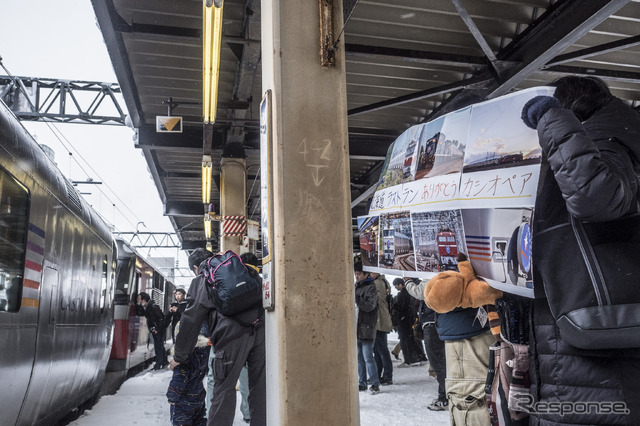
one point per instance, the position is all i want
(169, 124)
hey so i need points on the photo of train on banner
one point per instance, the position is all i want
(464, 182)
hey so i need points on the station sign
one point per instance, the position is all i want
(168, 124)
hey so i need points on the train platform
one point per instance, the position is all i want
(141, 401)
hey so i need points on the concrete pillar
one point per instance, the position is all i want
(233, 198)
(311, 343)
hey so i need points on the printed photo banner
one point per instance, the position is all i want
(465, 182)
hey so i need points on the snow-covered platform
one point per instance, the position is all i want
(141, 401)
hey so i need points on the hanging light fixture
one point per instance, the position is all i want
(207, 227)
(211, 42)
(207, 167)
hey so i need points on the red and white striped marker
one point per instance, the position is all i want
(234, 225)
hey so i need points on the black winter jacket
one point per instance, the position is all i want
(589, 169)
(200, 309)
(154, 316)
(367, 303)
(404, 309)
(173, 318)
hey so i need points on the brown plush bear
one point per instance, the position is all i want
(449, 290)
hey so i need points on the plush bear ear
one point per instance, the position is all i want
(443, 292)
(466, 270)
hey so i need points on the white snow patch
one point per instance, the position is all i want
(141, 401)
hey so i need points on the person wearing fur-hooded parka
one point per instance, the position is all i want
(591, 158)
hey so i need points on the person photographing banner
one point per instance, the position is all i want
(586, 235)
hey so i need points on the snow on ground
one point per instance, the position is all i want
(141, 401)
(405, 402)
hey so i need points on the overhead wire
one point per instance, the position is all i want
(96, 174)
(59, 136)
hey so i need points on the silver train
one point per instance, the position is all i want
(57, 286)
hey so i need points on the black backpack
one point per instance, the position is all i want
(233, 288)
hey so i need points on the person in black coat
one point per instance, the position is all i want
(591, 157)
(236, 340)
(404, 316)
(367, 304)
(175, 311)
(434, 348)
(155, 324)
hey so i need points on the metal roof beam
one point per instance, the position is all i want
(150, 239)
(595, 50)
(57, 100)
(627, 76)
(371, 132)
(249, 59)
(184, 208)
(475, 32)
(367, 157)
(360, 146)
(158, 30)
(347, 9)
(423, 94)
(558, 28)
(190, 138)
(371, 176)
(364, 196)
(192, 245)
(175, 175)
(406, 55)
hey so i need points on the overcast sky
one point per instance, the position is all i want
(60, 39)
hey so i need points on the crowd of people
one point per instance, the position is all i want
(498, 359)
(378, 314)
(570, 354)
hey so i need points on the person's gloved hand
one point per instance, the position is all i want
(533, 110)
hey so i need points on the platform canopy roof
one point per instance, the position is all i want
(406, 61)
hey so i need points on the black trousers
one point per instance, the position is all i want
(411, 350)
(435, 353)
(158, 347)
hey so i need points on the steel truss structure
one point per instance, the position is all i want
(65, 101)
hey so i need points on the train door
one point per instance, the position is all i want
(21, 257)
(134, 320)
(41, 390)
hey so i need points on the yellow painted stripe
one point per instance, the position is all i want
(483, 259)
(30, 303)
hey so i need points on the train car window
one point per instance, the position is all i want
(136, 288)
(124, 279)
(14, 223)
(103, 283)
(158, 281)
